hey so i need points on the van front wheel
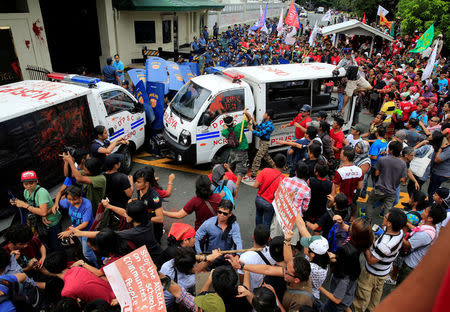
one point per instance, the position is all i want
(127, 160)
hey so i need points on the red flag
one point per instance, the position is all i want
(292, 17)
(364, 18)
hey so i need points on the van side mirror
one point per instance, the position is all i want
(205, 119)
(138, 107)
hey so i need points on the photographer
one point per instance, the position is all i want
(101, 146)
(38, 202)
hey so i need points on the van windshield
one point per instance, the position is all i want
(188, 101)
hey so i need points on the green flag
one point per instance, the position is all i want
(424, 41)
(393, 29)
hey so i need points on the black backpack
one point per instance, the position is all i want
(15, 295)
(232, 139)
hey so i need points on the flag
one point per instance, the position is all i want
(392, 34)
(430, 65)
(382, 10)
(384, 21)
(290, 37)
(364, 18)
(333, 39)
(261, 23)
(424, 41)
(312, 37)
(292, 16)
(155, 91)
(142, 96)
(280, 23)
(327, 16)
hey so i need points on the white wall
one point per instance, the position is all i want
(29, 37)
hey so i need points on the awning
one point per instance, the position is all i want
(354, 27)
(166, 5)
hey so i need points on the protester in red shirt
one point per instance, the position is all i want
(205, 204)
(267, 183)
(406, 106)
(337, 136)
(335, 59)
(300, 122)
(79, 283)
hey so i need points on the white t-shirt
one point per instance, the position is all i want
(352, 141)
(318, 276)
(252, 257)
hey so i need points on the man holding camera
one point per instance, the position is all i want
(355, 82)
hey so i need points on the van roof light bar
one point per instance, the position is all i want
(77, 79)
(233, 75)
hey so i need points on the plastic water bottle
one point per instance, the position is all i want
(377, 230)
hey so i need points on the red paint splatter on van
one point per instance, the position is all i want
(38, 30)
(27, 44)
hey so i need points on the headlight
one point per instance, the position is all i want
(185, 137)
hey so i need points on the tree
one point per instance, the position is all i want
(420, 15)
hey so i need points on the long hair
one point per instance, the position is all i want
(361, 234)
(203, 187)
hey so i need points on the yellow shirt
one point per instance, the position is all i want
(388, 108)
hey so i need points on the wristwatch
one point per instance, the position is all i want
(166, 281)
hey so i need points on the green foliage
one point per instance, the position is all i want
(420, 15)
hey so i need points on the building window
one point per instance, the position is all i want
(144, 31)
(167, 31)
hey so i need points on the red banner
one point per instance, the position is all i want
(136, 283)
(292, 16)
(284, 208)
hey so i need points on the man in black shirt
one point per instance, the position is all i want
(320, 188)
(119, 188)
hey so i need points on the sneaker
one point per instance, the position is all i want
(249, 180)
(390, 281)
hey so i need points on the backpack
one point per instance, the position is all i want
(232, 139)
(223, 188)
(337, 237)
(15, 294)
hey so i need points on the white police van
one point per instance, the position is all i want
(38, 118)
(194, 119)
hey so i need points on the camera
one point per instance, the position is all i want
(69, 149)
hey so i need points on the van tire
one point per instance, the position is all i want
(221, 156)
(125, 167)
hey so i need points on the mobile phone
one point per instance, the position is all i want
(11, 195)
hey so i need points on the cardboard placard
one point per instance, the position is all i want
(284, 208)
(135, 282)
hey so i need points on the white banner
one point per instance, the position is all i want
(280, 23)
(327, 16)
(430, 65)
(312, 37)
(382, 11)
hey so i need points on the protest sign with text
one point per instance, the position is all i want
(135, 282)
(284, 208)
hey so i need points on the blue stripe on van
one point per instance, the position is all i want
(138, 124)
(208, 137)
(135, 122)
(117, 134)
(206, 134)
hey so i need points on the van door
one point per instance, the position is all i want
(125, 118)
(209, 138)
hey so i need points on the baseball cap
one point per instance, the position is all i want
(28, 176)
(306, 108)
(358, 128)
(217, 173)
(401, 134)
(181, 231)
(317, 244)
(210, 302)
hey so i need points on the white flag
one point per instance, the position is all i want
(333, 39)
(382, 11)
(430, 65)
(280, 23)
(290, 37)
(312, 37)
(327, 16)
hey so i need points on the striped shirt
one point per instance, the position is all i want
(385, 249)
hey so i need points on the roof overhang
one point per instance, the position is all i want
(167, 5)
(354, 27)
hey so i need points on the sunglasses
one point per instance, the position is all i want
(223, 212)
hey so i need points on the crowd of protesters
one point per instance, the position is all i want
(324, 171)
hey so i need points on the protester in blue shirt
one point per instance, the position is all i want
(377, 150)
(7, 305)
(263, 132)
(80, 212)
(421, 115)
(222, 230)
(109, 72)
(118, 65)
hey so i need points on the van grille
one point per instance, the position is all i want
(171, 135)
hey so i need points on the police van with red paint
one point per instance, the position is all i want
(39, 118)
(194, 119)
